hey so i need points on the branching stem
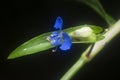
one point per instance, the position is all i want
(109, 35)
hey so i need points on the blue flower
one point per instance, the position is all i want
(59, 38)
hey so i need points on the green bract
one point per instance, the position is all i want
(40, 43)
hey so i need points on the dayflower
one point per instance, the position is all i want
(59, 38)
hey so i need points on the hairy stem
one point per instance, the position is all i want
(98, 46)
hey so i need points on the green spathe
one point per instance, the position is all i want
(40, 43)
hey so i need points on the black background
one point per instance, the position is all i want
(22, 20)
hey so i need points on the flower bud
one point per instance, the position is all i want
(83, 32)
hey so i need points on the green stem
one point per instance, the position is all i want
(78, 65)
(109, 35)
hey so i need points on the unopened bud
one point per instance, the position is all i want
(83, 32)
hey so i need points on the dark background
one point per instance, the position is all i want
(22, 20)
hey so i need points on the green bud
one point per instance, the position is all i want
(83, 32)
(83, 35)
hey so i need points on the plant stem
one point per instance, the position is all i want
(98, 46)
(96, 5)
(77, 66)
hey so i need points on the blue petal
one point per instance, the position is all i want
(55, 39)
(66, 42)
(58, 23)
